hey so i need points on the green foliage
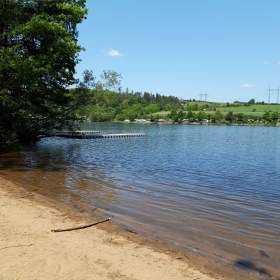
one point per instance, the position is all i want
(275, 116)
(201, 116)
(271, 116)
(88, 80)
(38, 55)
(100, 114)
(133, 112)
(230, 117)
(106, 105)
(177, 116)
(217, 117)
(190, 115)
(151, 108)
(248, 108)
(111, 80)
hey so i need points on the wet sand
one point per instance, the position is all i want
(29, 250)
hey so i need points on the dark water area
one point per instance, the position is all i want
(211, 190)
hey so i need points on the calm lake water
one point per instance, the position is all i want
(213, 190)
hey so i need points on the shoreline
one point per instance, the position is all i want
(27, 202)
(166, 122)
(104, 251)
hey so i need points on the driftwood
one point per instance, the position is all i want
(81, 227)
(16, 246)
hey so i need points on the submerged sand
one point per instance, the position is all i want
(29, 250)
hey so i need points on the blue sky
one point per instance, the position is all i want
(227, 48)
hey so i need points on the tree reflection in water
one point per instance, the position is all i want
(57, 172)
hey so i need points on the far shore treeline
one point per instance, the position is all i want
(39, 91)
(108, 102)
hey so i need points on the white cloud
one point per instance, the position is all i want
(247, 85)
(115, 53)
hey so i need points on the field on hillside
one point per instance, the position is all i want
(212, 107)
(260, 108)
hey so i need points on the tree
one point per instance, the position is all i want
(152, 108)
(38, 54)
(230, 117)
(252, 101)
(218, 116)
(111, 80)
(88, 79)
(177, 116)
(190, 114)
(275, 116)
(201, 116)
(133, 112)
(267, 116)
(240, 117)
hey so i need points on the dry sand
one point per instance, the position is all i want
(29, 250)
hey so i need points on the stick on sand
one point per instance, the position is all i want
(81, 227)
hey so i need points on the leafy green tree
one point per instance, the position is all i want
(154, 118)
(180, 117)
(218, 116)
(240, 117)
(230, 117)
(275, 116)
(38, 54)
(111, 80)
(267, 116)
(190, 114)
(132, 112)
(201, 115)
(88, 80)
(147, 97)
(99, 114)
(177, 116)
(152, 108)
(173, 114)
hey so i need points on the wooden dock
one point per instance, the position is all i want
(88, 134)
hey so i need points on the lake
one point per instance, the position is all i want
(211, 190)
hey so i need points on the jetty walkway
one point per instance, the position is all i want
(89, 134)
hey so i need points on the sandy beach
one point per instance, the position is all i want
(29, 250)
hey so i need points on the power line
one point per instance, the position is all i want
(203, 97)
(271, 91)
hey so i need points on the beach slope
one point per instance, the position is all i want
(29, 250)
